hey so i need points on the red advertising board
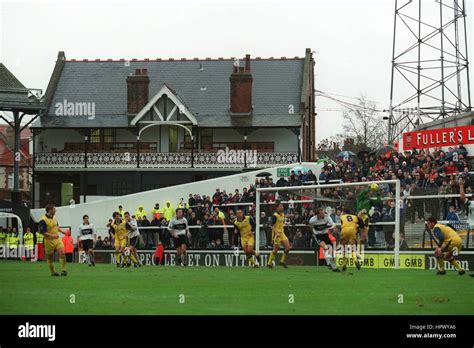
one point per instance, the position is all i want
(438, 137)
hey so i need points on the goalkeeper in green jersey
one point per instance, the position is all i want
(366, 199)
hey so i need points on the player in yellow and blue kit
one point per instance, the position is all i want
(49, 228)
(245, 225)
(119, 227)
(449, 245)
(279, 237)
(350, 224)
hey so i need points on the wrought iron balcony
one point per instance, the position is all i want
(128, 160)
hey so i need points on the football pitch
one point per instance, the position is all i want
(27, 288)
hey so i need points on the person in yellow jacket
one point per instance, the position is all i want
(140, 212)
(7, 242)
(168, 211)
(121, 211)
(3, 237)
(29, 243)
(13, 243)
(156, 212)
(182, 204)
(8, 233)
(39, 246)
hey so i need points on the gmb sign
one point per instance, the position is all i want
(236, 258)
(413, 261)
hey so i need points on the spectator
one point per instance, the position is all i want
(298, 240)
(281, 182)
(191, 200)
(204, 232)
(156, 212)
(121, 211)
(310, 177)
(140, 212)
(99, 244)
(168, 211)
(218, 244)
(107, 243)
(452, 216)
(182, 204)
(148, 234)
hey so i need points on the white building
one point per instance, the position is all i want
(116, 127)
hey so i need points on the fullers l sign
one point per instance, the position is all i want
(438, 137)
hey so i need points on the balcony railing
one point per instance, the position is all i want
(128, 160)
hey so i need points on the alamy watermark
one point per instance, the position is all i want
(37, 331)
(67, 108)
(19, 252)
(241, 157)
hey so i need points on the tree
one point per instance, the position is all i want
(332, 143)
(365, 125)
(330, 147)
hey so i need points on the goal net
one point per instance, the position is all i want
(447, 208)
(380, 200)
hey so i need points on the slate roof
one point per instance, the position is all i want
(14, 95)
(203, 85)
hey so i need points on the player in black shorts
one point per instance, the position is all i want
(87, 237)
(179, 230)
(322, 224)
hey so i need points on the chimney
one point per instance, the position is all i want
(137, 91)
(241, 88)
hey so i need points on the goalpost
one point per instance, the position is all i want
(323, 196)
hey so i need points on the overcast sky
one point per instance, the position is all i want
(352, 39)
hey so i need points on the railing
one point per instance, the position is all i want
(160, 160)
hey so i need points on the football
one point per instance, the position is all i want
(374, 187)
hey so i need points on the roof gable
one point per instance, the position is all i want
(8, 80)
(151, 106)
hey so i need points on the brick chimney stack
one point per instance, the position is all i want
(137, 91)
(241, 88)
(247, 62)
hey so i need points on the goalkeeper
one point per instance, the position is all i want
(365, 200)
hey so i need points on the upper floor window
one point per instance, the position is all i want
(103, 136)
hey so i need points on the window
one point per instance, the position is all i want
(206, 138)
(108, 136)
(95, 136)
(187, 141)
(103, 136)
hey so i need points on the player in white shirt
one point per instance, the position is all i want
(87, 236)
(133, 237)
(179, 230)
(322, 224)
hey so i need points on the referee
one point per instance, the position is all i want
(87, 236)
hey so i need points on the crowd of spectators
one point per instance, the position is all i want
(420, 173)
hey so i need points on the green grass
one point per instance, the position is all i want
(27, 288)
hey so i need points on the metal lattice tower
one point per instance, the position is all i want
(430, 68)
